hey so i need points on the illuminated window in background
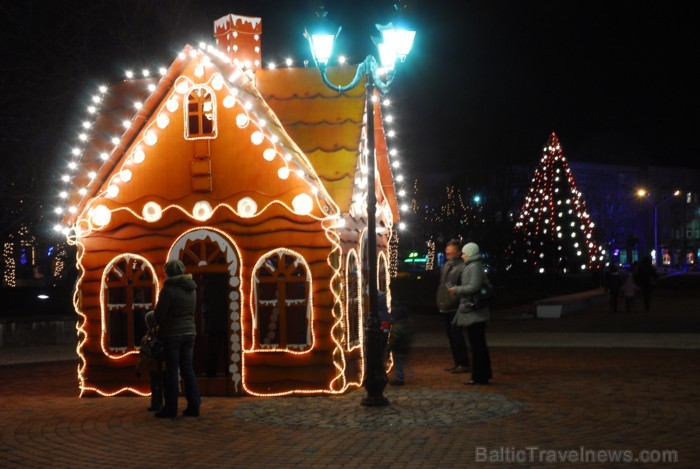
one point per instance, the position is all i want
(201, 113)
(352, 304)
(130, 290)
(282, 307)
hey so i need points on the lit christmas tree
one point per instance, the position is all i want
(554, 232)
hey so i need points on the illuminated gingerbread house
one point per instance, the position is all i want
(257, 176)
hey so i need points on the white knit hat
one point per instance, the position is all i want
(470, 249)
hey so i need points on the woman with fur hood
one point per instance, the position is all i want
(473, 276)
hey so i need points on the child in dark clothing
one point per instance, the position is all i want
(151, 359)
(400, 339)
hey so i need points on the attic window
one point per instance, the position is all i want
(201, 113)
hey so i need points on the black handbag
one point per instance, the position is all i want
(485, 297)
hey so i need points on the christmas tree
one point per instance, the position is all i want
(554, 231)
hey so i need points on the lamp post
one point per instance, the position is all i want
(396, 44)
(643, 194)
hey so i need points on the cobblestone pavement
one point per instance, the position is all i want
(562, 390)
(541, 400)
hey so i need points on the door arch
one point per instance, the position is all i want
(207, 254)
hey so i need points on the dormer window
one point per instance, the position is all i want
(201, 113)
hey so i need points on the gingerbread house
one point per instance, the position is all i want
(254, 176)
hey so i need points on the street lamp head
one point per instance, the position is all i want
(396, 44)
(321, 38)
(642, 193)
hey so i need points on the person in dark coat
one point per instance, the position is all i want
(613, 283)
(400, 340)
(151, 361)
(447, 305)
(175, 318)
(646, 279)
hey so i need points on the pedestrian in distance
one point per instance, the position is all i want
(613, 282)
(151, 361)
(629, 289)
(646, 279)
(175, 317)
(447, 304)
(473, 278)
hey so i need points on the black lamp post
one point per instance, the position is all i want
(397, 43)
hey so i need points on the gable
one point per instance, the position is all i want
(247, 156)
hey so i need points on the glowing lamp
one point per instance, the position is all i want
(112, 191)
(163, 121)
(247, 207)
(182, 87)
(269, 154)
(229, 102)
(242, 120)
(202, 210)
(172, 105)
(150, 138)
(302, 204)
(101, 216)
(138, 156)
(152, 212)
(387, 55)
(257, 137)
(217, 82)
(322, 47)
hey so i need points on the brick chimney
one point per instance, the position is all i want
(239, 38)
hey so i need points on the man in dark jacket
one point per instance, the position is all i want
(447, 304)
(175, 317)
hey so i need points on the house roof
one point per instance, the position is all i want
(327, 126)
(324, 125)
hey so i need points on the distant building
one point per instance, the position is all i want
(626, 220)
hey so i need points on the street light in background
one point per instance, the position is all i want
(395, 46)
(645, 195)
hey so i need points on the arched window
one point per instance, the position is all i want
(201, 113)
(352, 302)
(282, 300)
(130, 285)
(382, 273)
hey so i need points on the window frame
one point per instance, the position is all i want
(353, 299)
(132, 341)
(200, 113)
(282, 344)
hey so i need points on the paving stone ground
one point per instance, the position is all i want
(549, 399)
(629, 383)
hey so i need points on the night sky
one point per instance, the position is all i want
(485, 84)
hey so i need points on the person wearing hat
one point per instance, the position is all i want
(175, 317)
(447, 304)
(473, 276)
